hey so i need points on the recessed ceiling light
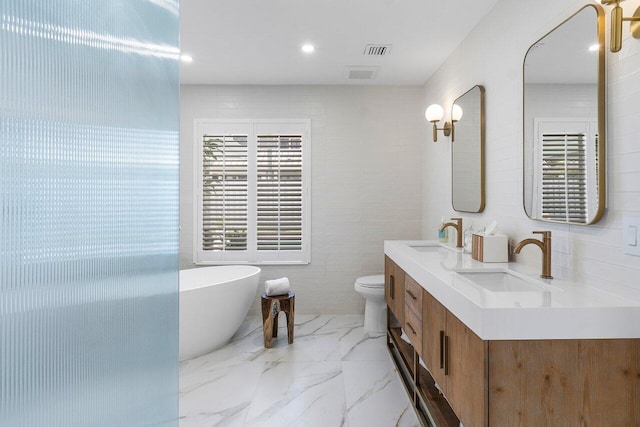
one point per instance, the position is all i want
(308, 48)
(186, 58)
(594, 47)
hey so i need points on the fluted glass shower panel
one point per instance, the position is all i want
(89, 212)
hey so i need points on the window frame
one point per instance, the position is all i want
(252, 127)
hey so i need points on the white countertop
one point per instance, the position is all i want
(557, 309)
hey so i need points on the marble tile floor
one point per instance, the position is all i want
(334, 374)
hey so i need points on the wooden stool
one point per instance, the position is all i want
(271, 307)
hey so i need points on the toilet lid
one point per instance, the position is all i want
(376, 281)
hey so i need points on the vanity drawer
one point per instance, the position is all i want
(413, 312)
(412, 294)
(413, 328)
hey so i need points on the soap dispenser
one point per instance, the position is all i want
(467, 238)
(443, 234)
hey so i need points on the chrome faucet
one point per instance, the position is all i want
(458, 226)
(545, 247)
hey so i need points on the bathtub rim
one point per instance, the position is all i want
(252, 270)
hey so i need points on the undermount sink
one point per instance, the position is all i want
(505, 288)
(425, 248)
(501, 281)
(432, 246)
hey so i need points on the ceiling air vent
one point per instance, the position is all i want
(361, 73)
(377, 49)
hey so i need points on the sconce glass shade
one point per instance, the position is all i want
(434, 113)
(456, 112)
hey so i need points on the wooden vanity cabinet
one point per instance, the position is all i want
(434, 330)
(457, 361)
(413, 312)
(530, 382)
(567, 382)
(593, 382)
(394, 278)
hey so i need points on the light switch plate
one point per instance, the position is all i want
(630, 238)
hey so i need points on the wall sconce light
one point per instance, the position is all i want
(616, 24)
(435, 113)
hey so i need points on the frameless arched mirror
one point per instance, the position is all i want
(467, 152)
(564, 114)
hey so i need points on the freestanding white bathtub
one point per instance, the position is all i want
(213, 303)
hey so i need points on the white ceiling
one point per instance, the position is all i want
(259, 41)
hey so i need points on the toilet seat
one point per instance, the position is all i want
(375, 281)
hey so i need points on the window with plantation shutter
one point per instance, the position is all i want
(565, 181)
(279, 192)
(224, 192)
(252, 189)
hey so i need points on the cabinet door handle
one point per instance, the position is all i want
(392, 286)
(413, 297)
(413, 331)
(441, 349)
(446, 355)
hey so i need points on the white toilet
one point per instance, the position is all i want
(375, 309)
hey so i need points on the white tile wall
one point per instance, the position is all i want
(492, 56)
(367, 150)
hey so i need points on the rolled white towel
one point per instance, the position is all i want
(276, 286)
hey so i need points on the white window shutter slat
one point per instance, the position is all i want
(279, 193)
(225, 193)
(564, 177)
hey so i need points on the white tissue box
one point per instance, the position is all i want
(493, 248)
